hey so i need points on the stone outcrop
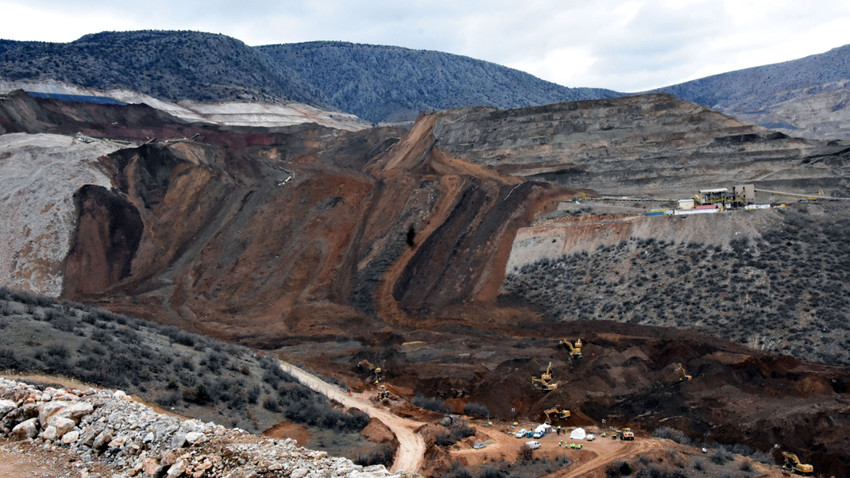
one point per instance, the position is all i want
(110, 428)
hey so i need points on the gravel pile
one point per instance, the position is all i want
(109, 428)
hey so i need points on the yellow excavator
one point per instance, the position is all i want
(556, 413)
(575, 350)
(792, 463)
(547, 375)
(372, 369)
(543, 383)
(685, 377)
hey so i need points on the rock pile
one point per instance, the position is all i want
(108, 427)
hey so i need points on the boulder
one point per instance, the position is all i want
(6, 406)
(25, 429)
(70, 437)
(102, 440)
(195, 437)
(63, 425)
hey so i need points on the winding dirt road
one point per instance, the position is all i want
(411, 447)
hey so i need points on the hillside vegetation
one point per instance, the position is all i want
(387, 83)
(377, 83)
(187, 373)
(784, 291)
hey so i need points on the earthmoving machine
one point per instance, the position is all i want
(543, 383)
(685, 377)
(626, 434)
(371, 368)
(575, 350)
(383, 393)
(792, 463)
(556, 413)
(547, 375)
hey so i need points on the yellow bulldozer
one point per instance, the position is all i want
(793, 464)
(575, 349)
(365, 364)
(556, 413)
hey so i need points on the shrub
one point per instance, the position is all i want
(432, 404)
(380, 455)
(474, 409)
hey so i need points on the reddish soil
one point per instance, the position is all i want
(297, 432)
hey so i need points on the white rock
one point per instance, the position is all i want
(25, 429)
(61, 424)
(6, 406)
(70, 437)
(49, 433)
(195, 437)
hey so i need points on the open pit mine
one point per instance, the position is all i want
(463, 259)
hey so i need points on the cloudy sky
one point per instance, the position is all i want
(619, 44)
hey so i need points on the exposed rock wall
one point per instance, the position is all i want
(41, 173)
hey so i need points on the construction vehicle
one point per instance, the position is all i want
(626, 434)
(685, 376)
(793, 464)
(575, 349)
(544, 385)
(555, 412)
(547, 375)
(383, 393)
(371, 368)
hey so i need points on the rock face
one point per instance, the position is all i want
(638, 145)
(135, 441)
(40, 174)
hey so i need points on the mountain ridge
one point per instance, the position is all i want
(181, 65)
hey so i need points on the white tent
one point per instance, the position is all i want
(578, 434)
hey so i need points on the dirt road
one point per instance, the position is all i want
(411, 446)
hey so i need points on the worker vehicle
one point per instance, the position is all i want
(556, 413)
(575, 349)
(521, 433)
(591, 437)
(365, 364)
(533, 444)
(685, 375)
(793, 464)
(626, 434)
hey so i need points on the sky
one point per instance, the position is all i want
(624, 45)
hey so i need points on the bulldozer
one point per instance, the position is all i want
(371, 368)
(575, 350)
(556, 413)
(685, 377)
(793, 464)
